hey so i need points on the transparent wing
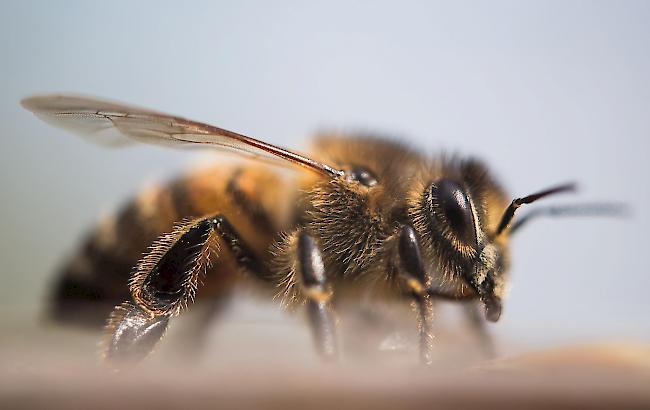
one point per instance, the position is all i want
(114, 124)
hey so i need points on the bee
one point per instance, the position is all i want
(363, 216)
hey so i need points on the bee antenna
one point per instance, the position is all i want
(517, 202)
(610, 209)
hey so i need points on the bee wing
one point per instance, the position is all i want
(114, 124)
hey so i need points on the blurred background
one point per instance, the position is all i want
(545, 92)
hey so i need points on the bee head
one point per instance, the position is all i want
(463, 221)
(457, 214)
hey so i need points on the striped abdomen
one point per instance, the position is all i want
(94, 280)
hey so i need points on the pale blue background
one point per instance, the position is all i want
(544, 91)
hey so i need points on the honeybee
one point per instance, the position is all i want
(364, 216)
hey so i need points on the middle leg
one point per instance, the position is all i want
(318, 293)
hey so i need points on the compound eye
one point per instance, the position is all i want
(362, 176)
(453, 205)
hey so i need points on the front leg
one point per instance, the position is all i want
(318, 294)
(411, 268)
(476, 321)
(474, 316)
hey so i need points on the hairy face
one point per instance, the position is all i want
(456, 213)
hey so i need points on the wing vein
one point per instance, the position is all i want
(114, 124)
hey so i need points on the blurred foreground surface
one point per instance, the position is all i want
(268, 362)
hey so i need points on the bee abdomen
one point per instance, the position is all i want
(95, 279)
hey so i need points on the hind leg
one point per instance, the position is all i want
(194, 332)
(166, 280)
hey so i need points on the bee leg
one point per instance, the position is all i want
(133, 333)
(424, 306)
(196, 332)
(244, 255)
(417, 280)
(473, 313)
(318, 292)
(165, 282)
